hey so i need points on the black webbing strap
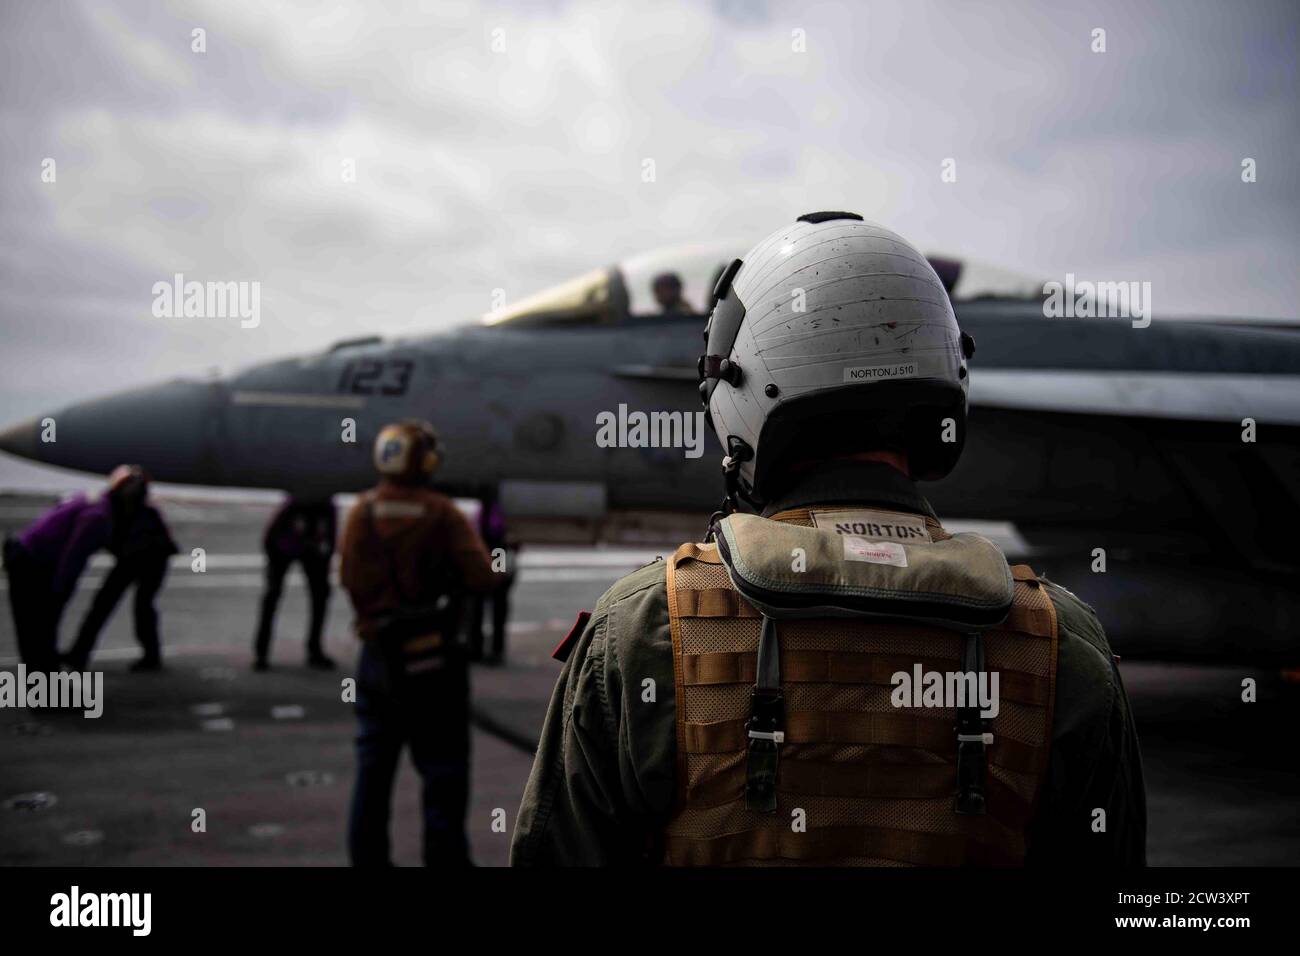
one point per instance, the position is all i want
(766, 727)
(971, 734)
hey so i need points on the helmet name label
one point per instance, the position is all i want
(875, 552)
(876, 373)
(876, 525)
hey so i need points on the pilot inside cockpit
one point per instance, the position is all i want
(667, 288)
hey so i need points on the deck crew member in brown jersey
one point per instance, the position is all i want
(408, 556)
(835, 679)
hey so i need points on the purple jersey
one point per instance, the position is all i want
(62, 540)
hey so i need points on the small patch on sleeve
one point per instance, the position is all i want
(565, 647)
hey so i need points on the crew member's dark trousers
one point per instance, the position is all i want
(430, 713)
(35, 609)
(499, 599)
(317, 570)
(147, 572)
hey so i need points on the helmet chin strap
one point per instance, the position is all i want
(730, 470)
(731, 502)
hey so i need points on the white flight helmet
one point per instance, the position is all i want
(833, 335)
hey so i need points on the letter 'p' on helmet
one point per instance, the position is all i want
(833, 336)
(407, 451)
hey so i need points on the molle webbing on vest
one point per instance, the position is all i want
(845, 667)
(875, 782)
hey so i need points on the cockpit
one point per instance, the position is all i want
(677, 283)
(666, 283)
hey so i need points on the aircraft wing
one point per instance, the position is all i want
(1215, 397)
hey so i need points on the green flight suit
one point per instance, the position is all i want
(603, 781)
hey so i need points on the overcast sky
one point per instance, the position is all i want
(479, 169)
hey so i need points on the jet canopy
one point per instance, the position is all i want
(589, 299)
(665, 283)
(678, 282)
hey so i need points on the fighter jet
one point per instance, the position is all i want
(1174, 439)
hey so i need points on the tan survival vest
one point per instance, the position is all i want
(854, 779)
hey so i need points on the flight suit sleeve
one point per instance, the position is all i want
(602, 782)
(468, 551)
(1092, 811)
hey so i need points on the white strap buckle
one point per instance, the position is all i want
(986, 739)
(776, 736)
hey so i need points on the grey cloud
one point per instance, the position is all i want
(479, 170)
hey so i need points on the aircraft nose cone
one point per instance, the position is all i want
(162, 427)
(22, 439)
